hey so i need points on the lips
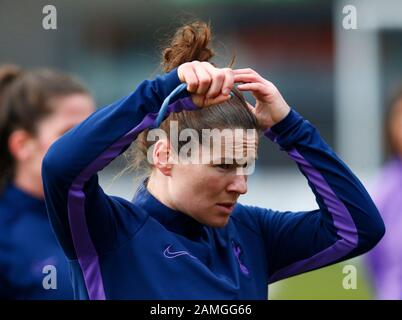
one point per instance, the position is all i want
(227, 204)
(226, 207)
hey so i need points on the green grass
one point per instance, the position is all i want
(324, 284)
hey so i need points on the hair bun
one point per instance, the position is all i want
(190, 42)
(8, 73)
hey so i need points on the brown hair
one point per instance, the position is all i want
(390, 143)
(192, 42)
(24, 101)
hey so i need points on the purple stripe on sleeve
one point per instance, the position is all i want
(84, 247)
(341, 217)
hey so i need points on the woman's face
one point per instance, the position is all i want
(208, 192)
(396, 126)
(69, 111)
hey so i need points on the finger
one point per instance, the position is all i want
(198, 99)
(219, 99)
(249, 77)
(244, 71)
(254, 87)
(228, 82)
(259, 91)
(218, 77)
(250, 107)
(190, 78)
(204, 78)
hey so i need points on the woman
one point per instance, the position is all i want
(36, 107)
(385, 261)
(185, 236)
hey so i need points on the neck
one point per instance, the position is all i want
(28, 183)
(158, 186)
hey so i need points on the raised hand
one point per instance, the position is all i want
(209, 85)
(270, 107)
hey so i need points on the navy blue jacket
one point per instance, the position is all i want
(144, 250)
(27, 246)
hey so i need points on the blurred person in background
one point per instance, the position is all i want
(385, 261)
(185, 235)
(36, 108)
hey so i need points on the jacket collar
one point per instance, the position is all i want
(173, 220)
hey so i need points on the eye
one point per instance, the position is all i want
(230, 166)
(225, 166)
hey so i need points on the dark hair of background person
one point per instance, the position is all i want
(25, 99)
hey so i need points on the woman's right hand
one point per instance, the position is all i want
(207, 84)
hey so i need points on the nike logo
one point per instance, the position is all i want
(174, 254)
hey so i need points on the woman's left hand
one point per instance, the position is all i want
(270, 108)
(207, 84)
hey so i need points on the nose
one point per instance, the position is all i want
(238, 184)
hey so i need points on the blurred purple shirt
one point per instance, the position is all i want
(385, 260)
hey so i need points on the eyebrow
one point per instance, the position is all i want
(223, 159)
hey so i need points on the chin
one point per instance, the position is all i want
(218, 223)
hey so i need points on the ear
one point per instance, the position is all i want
(163, 157)
(21, 145)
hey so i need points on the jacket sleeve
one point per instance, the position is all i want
(86, 220)
(347, 222)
